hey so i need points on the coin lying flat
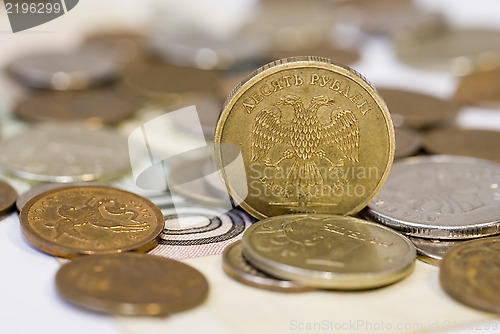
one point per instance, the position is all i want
(469, 273)
(314, 137)
(94, 105)
(131, 284)
(65, 71)
(455, 141)
(8, 196)
(74, 221)
(408, 142)
(460, 51)
(433, 250)
(65, 152)
(417, 110)
(480, 88)
(236, 266)
(125, 45)
(208, 109)
(440, 197)
(327, 251)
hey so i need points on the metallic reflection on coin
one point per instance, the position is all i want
(408, 142)
(472, 143)
(131, 284)
(93, 105)
(65, 152)
(187, 179)
(417, 110)
(8, 196)
(73, 221)
(35, 191)
(65, 71)
(470, 273)
(236, 266)
(327, 251)
(480, 88)
(449, 49)
(434, 249)
(314, 137)
(440, 197)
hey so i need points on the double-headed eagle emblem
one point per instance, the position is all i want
(306, 137)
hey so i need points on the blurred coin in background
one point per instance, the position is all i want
(8, 196)
(408, 142)
(65, 152)
(125, 45)
(78, 69)
(481, 144)
(325, 50)
(204, 51)
(460, 51)
(480, 89)
(159, 82)
(418, 110)
(97, 106)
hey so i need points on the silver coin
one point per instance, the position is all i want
(433, 250)
(204, 51)
(65, 152)
(35, 191)
(65, 71)
(236, 266)
(208, 109)
(408, 142)
(440, 197)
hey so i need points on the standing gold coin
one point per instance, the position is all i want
(314, 136)
(328, 251)
(90, 220)
(470, 273)
(131, 284)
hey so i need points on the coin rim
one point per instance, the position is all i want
(294, 63)
(456, 292)
(330, 279)
(52, 248)
(106, 306)
(417, 229)
(268, 283)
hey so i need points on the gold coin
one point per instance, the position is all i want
(131, 284)
(314, 137)
(467, 142)
(90, 220)
(8, 196)
(328, 251)
(470, 273)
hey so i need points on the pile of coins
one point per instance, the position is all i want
(303, 147)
